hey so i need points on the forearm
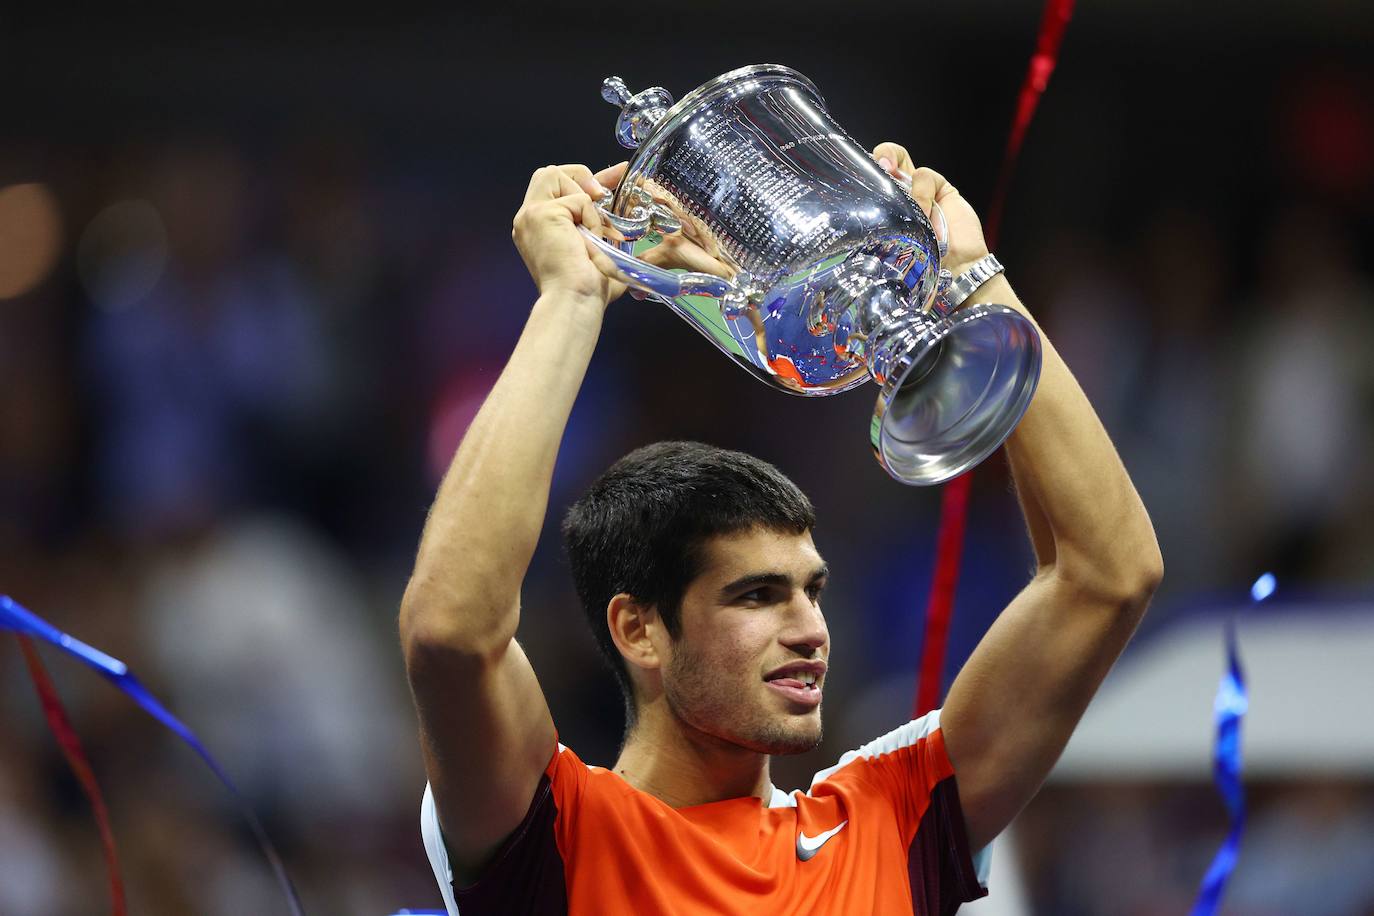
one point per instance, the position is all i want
(1086, 521)
(485, 521)
(1014, 705)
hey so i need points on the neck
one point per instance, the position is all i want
(683, 766)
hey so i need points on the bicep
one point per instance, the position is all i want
(1013, 707)
(487, 736)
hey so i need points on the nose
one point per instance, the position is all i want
(806, 633)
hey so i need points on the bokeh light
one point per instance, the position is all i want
(30, 237)
(122, 254)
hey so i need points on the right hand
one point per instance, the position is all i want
(561, 198)
(927, 186)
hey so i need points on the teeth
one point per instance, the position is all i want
(807, 679)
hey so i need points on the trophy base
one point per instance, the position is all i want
(964, 387)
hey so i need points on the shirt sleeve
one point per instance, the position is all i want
(910, 769)
(434, 848)
(526, 874)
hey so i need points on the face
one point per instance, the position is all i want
(749, 665)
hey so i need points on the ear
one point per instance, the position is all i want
(633, 627)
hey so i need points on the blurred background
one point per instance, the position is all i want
(256, 277)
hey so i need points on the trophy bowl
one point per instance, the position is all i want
(809, 266)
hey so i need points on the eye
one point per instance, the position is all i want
(762, 596)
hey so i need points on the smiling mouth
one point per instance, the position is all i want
(800, 679)
(801, 689)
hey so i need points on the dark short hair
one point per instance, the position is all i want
(640, 527)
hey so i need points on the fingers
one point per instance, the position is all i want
(898, 159)
(570, 204)
(929, 186)
(681, 252)
(543, 185)
(554, 181)
(548, 183)
(610, 177)
(584, 179)
(925, 185)
(571, 190)
(599, 258)
(577, 185)
(583, 210)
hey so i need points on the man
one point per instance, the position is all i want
(697, 569)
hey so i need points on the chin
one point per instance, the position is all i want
(784, 739)
(791, 750)
(758, 728)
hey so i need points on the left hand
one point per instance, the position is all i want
(545, 231)
(966, 242)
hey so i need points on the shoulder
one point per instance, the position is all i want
(569, 791)
(916, 749)
(907, 774)
(559, 790)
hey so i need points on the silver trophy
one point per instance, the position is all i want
(806, 263)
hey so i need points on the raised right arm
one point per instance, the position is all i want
(485, 730)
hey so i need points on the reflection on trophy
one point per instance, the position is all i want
(806, 263)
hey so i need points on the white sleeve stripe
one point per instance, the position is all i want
(781, 799)
(982, 865)
(434, 848)
(905, 736)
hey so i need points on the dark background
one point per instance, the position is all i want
(255, 277)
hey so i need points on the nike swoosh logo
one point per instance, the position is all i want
(809, 846)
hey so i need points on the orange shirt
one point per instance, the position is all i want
(878, 834)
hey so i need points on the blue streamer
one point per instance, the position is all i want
(1229, 709)
(18, 619)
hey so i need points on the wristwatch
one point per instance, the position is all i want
(980, 272)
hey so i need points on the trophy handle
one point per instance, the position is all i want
(941, 227)
(645, 277)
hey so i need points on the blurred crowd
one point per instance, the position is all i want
(1134, 849)
(231, 373)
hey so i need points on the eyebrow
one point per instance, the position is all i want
(755, 580)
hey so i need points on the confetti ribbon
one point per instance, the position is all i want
(949, 551)
(954, 501)
(24, 623)
(1232, 701)
(59, 723)
(1053, 24)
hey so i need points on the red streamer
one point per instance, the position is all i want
(940, 607)
(954, 501)
(61, 726)
(1052, 26)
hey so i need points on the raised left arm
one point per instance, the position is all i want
(1014, 705)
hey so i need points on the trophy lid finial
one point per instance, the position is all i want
(640, 112)
(614, 90)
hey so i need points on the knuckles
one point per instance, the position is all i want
(894, 151)
(558, 210)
